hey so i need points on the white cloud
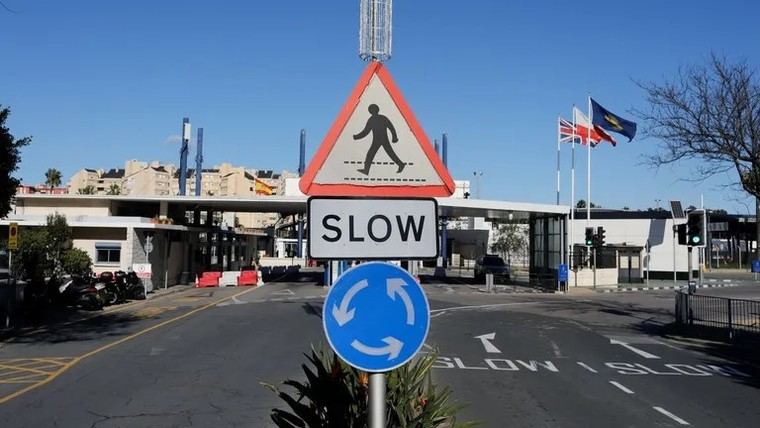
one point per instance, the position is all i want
(173, 139)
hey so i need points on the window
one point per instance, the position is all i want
(108, 253)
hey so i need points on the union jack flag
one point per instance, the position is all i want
(581, 132)
(566, 132)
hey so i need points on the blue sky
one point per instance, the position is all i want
(99, 82)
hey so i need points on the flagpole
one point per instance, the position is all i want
(559, 135)
(572, 195)
(588, 170)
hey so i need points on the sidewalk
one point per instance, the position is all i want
(57, 316)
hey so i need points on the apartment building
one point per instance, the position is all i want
(143, 178)
(40, 189)
(139, 178)
(96, 181)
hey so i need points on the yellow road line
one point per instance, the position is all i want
(76, 360)
(18, 381)
(33, 362)
(25, 369)
(56, 361)
(21, 379)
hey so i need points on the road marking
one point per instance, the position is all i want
(286, 292)
(75, 360)
(485, 340)
(671, 416)
(587, 367)
(635, 350)
(621, 387)
(436, 312)
(555, 348)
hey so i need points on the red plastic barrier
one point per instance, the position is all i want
(248, 277)
(209, 279)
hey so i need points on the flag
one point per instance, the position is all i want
(605, 119)
(582, 125)
(566, 131)
(263, 188)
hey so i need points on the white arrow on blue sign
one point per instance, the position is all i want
(376, 317)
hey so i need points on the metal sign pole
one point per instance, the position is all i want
(377, 400)
(675, 274)
(594, 249)
(691, 278)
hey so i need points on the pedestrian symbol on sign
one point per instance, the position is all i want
(379, 125)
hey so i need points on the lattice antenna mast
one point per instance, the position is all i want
(375, 30)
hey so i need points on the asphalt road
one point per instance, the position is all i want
(196, 358)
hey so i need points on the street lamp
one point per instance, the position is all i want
(477, 175)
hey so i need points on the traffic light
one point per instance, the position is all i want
(695, 228)
(600, 236)
(589, 236)
(681, 229)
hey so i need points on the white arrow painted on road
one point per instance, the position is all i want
(392, 350)
(342, 314)
(486, 340)
(638, 351)
(396, 286)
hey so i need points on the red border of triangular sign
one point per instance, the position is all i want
(309, 187)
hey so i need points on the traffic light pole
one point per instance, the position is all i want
(691, 275)
(675, 272)
(594, 267)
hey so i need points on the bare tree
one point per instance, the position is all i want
(711, 114)
(509, 239)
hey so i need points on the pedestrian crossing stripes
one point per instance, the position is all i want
(661, 288)
(374, 163)
(385, 179)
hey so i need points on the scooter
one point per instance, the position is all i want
(79, 291)
(111, 290)
(130, 284)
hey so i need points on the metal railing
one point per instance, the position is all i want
(737, 316)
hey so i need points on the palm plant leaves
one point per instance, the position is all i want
(334, 394)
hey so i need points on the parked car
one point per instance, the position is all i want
(491, 264)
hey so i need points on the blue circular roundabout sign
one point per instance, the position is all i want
(376, 317)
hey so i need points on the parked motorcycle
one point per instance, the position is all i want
(131, 285)
(112, 290)
(79, 291)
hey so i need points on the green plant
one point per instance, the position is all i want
(32, 260)
(87, 190)
(335, 395)
(52, 178)
(40, 249)
(10, 157)
(76, 261)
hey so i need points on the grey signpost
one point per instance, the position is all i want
(372, 183)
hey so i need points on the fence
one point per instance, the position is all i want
(737, 316)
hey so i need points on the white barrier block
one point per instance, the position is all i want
(229, 279)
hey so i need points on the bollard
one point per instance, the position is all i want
(489, 282)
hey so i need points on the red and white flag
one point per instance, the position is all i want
(581, 130)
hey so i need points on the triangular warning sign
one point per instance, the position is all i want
(376, 147)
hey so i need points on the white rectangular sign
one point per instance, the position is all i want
(372, 228)
(143, 270)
